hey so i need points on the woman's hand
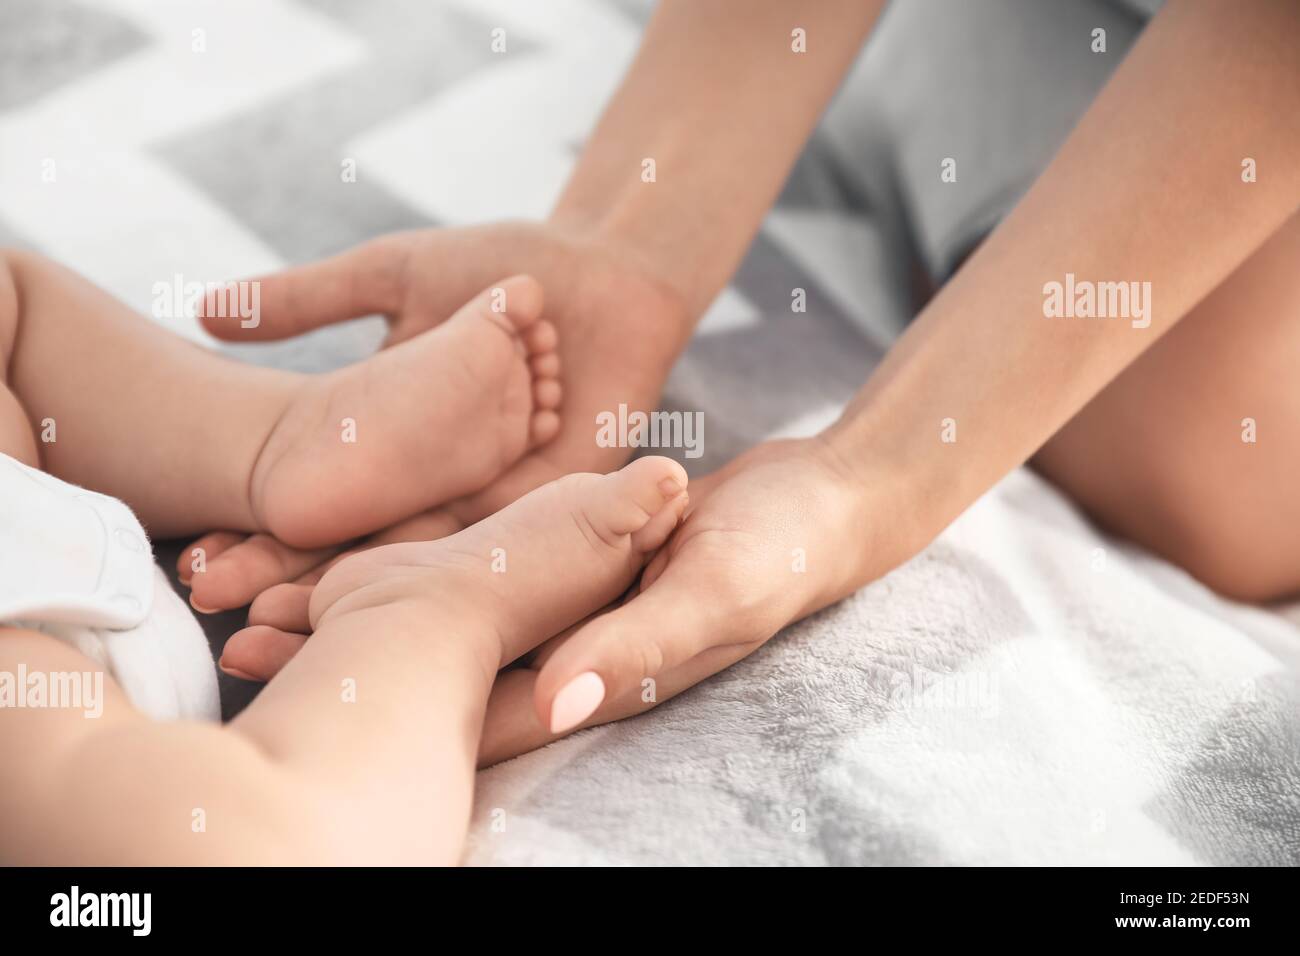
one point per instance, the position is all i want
(782, 531)
(627, 263)
(620, 329)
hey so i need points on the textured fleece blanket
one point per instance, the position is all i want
(1024, 691)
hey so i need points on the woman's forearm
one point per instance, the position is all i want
(722, 104)
(1147, 191)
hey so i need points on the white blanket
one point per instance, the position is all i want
(1008, 696)
(1024, 692)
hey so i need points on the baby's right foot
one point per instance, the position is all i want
(433, 418)
(527, 572)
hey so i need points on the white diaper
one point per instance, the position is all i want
(78, 566)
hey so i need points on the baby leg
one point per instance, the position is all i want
(125, 408)
(356, 753)
(408, 639)
(193, 441)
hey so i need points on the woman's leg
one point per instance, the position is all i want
(1163, 456)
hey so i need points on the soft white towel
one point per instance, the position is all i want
(1026, 691)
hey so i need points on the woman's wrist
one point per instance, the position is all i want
(869, 526)
(645, 231)
(603, 267)
(891, 512)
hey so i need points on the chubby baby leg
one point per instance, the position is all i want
(193, 441)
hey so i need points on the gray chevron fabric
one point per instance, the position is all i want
(1025, 691)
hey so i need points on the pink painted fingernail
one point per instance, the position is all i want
(576, 701)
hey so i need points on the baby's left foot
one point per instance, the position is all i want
(521, 575)
(423, 422)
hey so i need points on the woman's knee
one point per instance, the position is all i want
(1232, 540)
(1219, 516)
(1232, 562)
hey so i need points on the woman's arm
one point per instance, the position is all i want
(721, 102)
(1147, 189)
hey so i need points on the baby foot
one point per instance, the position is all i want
(522, 575)
(433, 418)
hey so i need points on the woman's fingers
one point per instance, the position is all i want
(623, 654)
(244, 570)
(368, 279)
(240, 567)
(278, 625)
(194, 559)
(259, 652)
(279, 582)
(655, 568)
(511, 726)
(284, 607)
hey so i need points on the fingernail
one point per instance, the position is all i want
(201, 609)
(670, 488)
(576, 701)
(235, 672)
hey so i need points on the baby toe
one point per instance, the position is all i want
(545, 365)
(540, 337)
(519, 298)
(627, 500)
(543, 427)
(547, 393)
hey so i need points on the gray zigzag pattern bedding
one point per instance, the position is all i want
(1024, 691)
